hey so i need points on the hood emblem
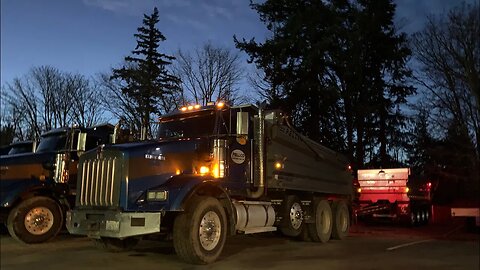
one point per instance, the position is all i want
(155, 156)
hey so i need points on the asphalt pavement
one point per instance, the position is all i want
(367, 247)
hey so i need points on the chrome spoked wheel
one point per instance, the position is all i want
(296, 216)
(210, 230)
(39, 220)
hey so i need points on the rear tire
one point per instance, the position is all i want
(199, 233)
(292, 216)
(116, 244)
(35, 220)
(341, 221)
(321, 230)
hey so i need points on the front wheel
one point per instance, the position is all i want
(199, 233)
(35, 220)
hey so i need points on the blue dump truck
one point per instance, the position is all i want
(38, 187)
(213, 171)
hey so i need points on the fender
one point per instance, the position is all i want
(28, 189)
(184, 188)
(208, 187)
(16, 189)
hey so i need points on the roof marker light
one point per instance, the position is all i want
(220, 104)
(190, 107)
(183, 109)
(196, 106)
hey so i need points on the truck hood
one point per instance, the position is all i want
(26, 166)
(150, 164)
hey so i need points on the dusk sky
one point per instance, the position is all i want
(91, 36)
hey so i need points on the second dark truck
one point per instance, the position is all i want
(37, 188)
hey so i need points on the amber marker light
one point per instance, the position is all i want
(407, 189)
(177, 172)
(183, 109)
(196, 107)
(190, 107)
(220, 104)
(278, 165)
(204, 170)
(359, 190)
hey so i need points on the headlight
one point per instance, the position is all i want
(161, 195)
(204, 170)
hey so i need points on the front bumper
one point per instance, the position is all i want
(109, 223)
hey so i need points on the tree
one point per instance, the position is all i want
(448, 53)
(210, 74)
(146, 80)
(46, 98)
(338, 68)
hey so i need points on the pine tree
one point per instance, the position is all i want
(341, 69)
(147, 80)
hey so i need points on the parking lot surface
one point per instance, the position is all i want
(367, 247)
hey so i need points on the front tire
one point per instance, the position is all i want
(199, 233)
(35, 220)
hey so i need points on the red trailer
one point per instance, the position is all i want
(393, 194)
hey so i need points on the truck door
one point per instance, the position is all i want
(239, 153)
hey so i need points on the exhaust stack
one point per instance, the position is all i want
(259, 158)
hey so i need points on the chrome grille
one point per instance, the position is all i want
(99, 182)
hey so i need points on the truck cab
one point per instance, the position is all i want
(38, 187)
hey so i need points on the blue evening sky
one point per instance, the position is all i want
(91, 36)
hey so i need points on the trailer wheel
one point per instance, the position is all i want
(321, 230)
(199, 233)
(35, 220)
(292, 216)
(427, 216)
(413, 219)
(341, 221)
(116, 244)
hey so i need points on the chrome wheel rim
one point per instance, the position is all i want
(296, 216)
(210, 230)
(39, 220)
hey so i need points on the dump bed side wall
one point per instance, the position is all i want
(307, 166)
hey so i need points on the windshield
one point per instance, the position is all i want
(196, 126)
(52, 143)
(21, 148)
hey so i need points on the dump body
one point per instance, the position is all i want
(306, 165)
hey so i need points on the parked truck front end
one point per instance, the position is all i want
(214, 171)
(37, 188)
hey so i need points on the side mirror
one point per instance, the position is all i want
(82, 140)
(242, 123)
